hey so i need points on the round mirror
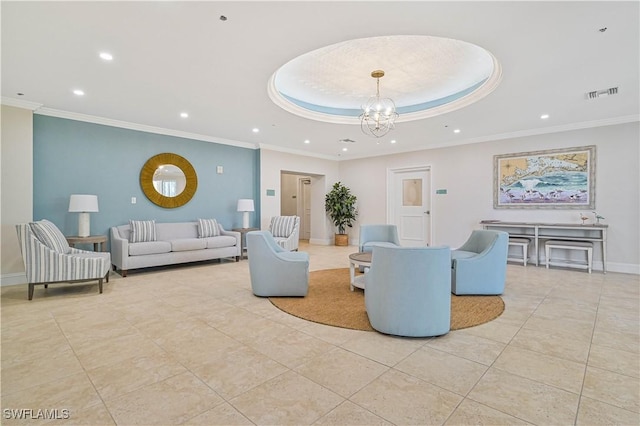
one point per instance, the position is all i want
(168, 180)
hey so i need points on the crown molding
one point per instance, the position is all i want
(19, 103)
(139, 127)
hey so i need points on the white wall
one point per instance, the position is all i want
(466, 172)
(323, 174)
(17, 187)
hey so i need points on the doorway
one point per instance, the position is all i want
(295, 190)
(409, 204)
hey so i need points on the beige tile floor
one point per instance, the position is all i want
(192, 345)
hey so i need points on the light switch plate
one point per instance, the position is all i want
(219, 170)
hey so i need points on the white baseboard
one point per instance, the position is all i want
(320, 242)
(623, 268)
(13, 279)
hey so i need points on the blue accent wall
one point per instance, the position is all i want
(75, 157)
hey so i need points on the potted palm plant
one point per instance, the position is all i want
(340, 205)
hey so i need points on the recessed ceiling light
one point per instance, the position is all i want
(184, 115)
(78, 92)
(345, 149)
(393, 141)
(456, 131)
(307, 141)
(106, 56)
(544, 116)
(255, 130)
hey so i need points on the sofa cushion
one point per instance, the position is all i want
(149, 247)
(282, 226)
(142, 231)
(208, 228)
(49, 235)
(186, 244)
(221, 241)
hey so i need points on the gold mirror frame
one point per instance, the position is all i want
(146, 180)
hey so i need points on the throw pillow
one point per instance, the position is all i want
(49, 235)
(142, 231)
(208, 228)
(282, 226)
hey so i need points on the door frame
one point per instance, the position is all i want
(391, 174)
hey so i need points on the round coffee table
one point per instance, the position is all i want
(358, 259)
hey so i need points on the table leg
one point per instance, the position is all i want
(352, 274)
(604, 251)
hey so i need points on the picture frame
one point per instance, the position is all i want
(550, 179)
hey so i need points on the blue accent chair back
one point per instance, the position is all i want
(408, 290)
(385, 235)
(274, 270)
(479, 266)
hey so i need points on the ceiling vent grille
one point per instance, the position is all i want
(602, 93)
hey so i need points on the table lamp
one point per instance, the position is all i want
(245, 206)
(83, 204)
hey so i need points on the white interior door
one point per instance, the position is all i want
(410, 205)
(305, 217)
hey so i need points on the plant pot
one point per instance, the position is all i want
(342, 239)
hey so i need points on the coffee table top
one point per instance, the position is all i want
(361, 257)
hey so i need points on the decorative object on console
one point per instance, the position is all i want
(378, 114)
(245, 206)
(551, 179)
(340, 204)
(583, 217)
(83, 204)
(598, 217)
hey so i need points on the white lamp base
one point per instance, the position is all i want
(245, 219)
(84, 225)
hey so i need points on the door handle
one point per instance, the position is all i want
(427, 212)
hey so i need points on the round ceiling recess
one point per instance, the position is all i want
(425, 76)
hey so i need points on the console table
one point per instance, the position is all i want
(596, 232)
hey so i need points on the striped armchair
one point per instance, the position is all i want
(286, 231)
(48, 258)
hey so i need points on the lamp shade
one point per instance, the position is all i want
(245, 205)
(83, 203)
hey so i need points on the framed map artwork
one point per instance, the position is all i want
(552, 179)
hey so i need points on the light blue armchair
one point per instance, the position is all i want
(408, 290)
(479, 266)
(274, 270)
(382, 235)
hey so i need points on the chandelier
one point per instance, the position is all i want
(378, 114)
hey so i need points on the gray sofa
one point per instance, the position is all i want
(175, 243)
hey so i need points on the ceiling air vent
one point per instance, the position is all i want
(602, 93)
(347, 140)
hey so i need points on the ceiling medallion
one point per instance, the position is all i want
(430, 76)
(378, 114)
